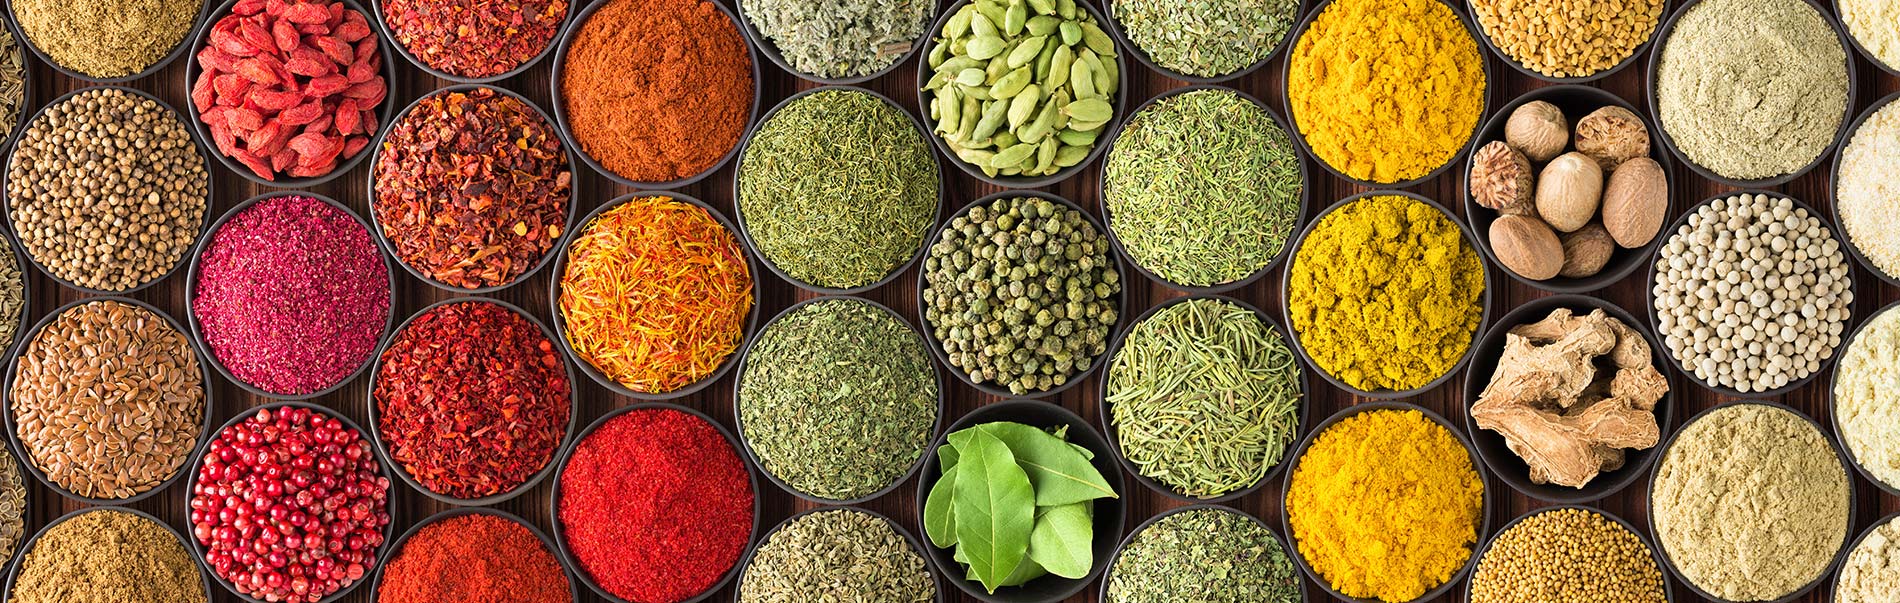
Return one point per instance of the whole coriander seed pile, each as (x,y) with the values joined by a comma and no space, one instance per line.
(1567,555)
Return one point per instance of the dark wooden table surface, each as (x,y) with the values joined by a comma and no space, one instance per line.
(412,294)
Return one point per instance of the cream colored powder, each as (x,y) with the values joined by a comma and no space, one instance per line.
(1868,196)
(1875,24)
(1872,571)
(1867,397)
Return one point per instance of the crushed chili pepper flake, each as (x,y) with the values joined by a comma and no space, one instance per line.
(474,38)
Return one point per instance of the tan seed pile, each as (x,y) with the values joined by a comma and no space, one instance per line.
(106,38)
(1567,555)
(109,400)
(1568,38)
(109,555)
(12,506)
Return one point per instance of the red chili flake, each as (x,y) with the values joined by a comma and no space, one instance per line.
(471,188)
(474,38)
(472,399)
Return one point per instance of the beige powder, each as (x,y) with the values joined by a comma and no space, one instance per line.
(1872,571)
(1867,397)
(1868,196)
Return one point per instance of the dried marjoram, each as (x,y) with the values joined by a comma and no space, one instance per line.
(474,38)
(472,188)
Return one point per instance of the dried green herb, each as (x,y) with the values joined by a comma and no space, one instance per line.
(837,189)
(837,555)
(1204,396)
(1205,38)
(1202,188)
(840,38)
(1219,555)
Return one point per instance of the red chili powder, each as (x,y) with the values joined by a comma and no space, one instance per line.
(474,559)
(471,399)
(656,505)
(292,295)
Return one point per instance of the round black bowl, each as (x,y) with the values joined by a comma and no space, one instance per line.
(1022,182)
(12,426)
(1299,217)
(1127,44)
(1660,41)
(1636,51)
(1655,323)
(745,232)
(1655,536)
(765,46)
(1838,434)
(1834,191)
(1114,434)
(567,454)
(1511,468)
(1484,523)
(19,554)
(197,464)
(184,256)
(1655,553)
(1484,317)
(916,546)
(566,130)
(376,422)
(1840,573)
(1110,513)
(1864,52)
(381,26)
(197,23)
(936,345)
(197,329)
(395,551)
(560,323)
(1109,574)
(389,248)
(1576,102)
(27,89)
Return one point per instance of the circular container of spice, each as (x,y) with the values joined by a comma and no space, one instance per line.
(12,424)
(1862,48)
(916,546)
(395,551)
(1111,514)
(26,299)
(1641,536)
(27,89)
(1125,44)
(375,415)
(380,22)
(1114,437)
(1637,51)
(1839,434)
(197,23)
(1834,188)
(1109,575)
(386,107)
(389,247)
(20,553)
(770,49)
(1491,445)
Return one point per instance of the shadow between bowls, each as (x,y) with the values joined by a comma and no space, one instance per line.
(388,105)
(198,22)
(197,465)
(1864,51)
(1306,443)
(1491,445)
(564,125)
(1108,575)
(936,345)
(1839,433)
(17,563)
(1660,41)
(1299,138)
(382,28)
(745,232)
(567,454)
(395,551)
(375,413)
(1655,535)
(560,323)
(1109,428)
(389,247)
(1111,514)
(916,546)
(1301,201)
(184,255)
(1834,192)
(1484,300)
(738,414)
(766,46)
(12,426)
(197,328)
(924,97)
(1575,101)
(1114,27)
(1655,322)
(1636,51)
(1655,553)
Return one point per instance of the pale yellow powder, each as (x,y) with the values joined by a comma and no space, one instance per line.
(1867,397)
(1872,571)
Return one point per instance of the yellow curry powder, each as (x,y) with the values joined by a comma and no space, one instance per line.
(1386,90)
(1386,505)
(1385,293)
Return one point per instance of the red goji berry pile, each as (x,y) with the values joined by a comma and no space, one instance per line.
(290,87)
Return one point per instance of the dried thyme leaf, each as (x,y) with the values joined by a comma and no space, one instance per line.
(1219,555)
(1206,38)
(841,38)
(837,555)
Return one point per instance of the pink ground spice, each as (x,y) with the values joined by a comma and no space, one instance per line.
(292,295)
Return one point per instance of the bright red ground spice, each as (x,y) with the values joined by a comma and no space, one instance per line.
(474,559)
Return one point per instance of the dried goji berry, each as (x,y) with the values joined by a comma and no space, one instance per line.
(257,164)
(305,12)
(302,114)
(244,120)
(256,34)
(247,8)
(370,92)
(359,73)
(283,159)
(308,67)
(337,50)
(203,97)
(263,136)
(314,29)
(354,146)
(232,45)
(275,7)
(325,86)
(351,31)
(285,35)
(349,119)
(212,59)
(257,71)
(230,88)
(273,99)
(312,171)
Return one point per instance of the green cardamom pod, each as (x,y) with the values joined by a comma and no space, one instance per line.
(1042,25)
(995,12)
(1014,18)
(1043,7)
(1066,9)
(979,25)
(1012,156)
(1025,51)
(1077,137)
(1059,66)
(1086,126)
(1089,110)
(966,123)
(1011,84)
(1003,140)
(978,92)
(1044,124)
(1082,79)
(1023,106)
(1046,155)
(982,48)
(1097,67)
(996,69)
(970,77)
(1110,79)
(1048,53)
(994,112)
(948,109)
(938,79)
(1070,155)
(1071,33)
(1097,40)
(1062,98)
(939,54)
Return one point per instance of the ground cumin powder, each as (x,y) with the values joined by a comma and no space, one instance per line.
(108,555)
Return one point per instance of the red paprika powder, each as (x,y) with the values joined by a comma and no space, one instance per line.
(474,559)
(655,505)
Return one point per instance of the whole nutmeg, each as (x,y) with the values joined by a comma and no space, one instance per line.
(1635,202)
(1526,246)
(1612,135)
(1537,129)
(1586,251)
(1501,179)
(1568,191)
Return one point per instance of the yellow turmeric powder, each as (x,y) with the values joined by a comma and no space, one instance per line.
(1386,90)
(1385,293)
(1386,505)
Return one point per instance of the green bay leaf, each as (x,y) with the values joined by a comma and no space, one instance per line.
(1062,541)
(940,522)
(1060,474)
(995,508)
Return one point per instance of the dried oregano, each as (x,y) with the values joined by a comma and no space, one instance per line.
(1219,555)
(1205,38)
(840,38)
(836,555)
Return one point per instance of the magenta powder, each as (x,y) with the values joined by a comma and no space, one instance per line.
(292,295)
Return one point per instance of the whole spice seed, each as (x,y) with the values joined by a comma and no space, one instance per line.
(1205,39)
(1568,38)
(1219,555)
(474,38)
(1865,409)
(655,294)
(108,555)
(293,296)
(12,296)
(106,190)
(12,82)
(1202,188)
(840,38)
(1869,574)
(12,506)
(1204,397)
(1866,197)
(471,399)
(473,559)
(1567,555)
(838,189)
(655,505)
(472,188)
(1875,24)
(108,400)
(106,39)
(837,398)
(839,553)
